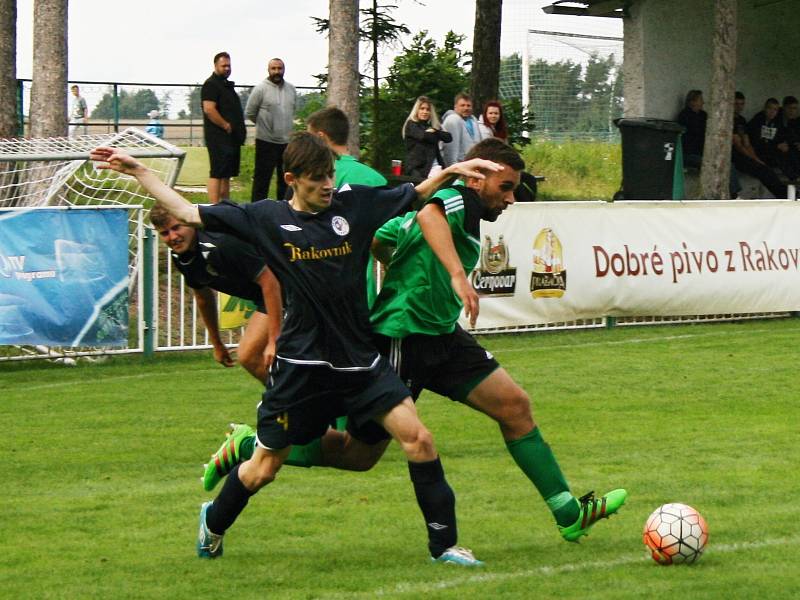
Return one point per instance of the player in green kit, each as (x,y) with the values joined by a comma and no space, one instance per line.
(415,320)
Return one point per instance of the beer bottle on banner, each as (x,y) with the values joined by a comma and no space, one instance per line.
(549,276)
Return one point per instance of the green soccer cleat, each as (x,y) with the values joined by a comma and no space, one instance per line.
(227,457)
(456,555)
(592,510)
(209,544)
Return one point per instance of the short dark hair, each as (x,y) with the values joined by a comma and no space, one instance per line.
(332,122)
(692,95)
(74,87)
(462,96)
(160,216)
(219,55)
(787,100)
(496,150)
(739,96)
(307,154)
(773,101)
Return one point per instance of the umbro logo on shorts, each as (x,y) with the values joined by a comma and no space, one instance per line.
(489,355)
(437,526)
(291,228)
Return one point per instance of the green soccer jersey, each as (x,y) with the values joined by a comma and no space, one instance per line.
(347,169)
(417,296)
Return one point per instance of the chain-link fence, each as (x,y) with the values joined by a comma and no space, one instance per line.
(113,106)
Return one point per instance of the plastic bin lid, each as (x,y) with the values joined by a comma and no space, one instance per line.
(648,123)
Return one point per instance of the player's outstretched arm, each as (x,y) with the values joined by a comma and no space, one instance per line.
(436,230)
(207,304)
(117,160)
(469,168)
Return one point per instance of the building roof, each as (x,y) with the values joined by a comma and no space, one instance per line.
(589,8)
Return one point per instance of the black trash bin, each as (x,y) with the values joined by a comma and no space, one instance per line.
(652,161)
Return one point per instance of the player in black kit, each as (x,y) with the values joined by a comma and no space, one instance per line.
(219,261)
(326,366)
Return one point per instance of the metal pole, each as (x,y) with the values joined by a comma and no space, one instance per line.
(20,111)
(116,108)
(148,288)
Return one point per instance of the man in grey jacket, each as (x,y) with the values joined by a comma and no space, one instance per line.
(271,107)
(463,127)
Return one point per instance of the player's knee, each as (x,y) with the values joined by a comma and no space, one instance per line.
(264,474)
(421,445)
(517,408)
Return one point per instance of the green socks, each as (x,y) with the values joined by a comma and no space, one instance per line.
(533,455)
(309,455)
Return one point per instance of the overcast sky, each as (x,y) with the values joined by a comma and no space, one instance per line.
(172,41)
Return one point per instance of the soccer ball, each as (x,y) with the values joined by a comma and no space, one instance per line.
(675,533)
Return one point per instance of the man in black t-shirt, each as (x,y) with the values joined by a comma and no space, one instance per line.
(223,128)
(326,364)
(222,262)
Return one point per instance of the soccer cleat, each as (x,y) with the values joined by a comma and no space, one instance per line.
(456,555)
(592,510)
(227,457)
(209,545)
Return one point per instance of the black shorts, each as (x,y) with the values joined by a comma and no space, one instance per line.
(450,365)
(302,400)
(224,158)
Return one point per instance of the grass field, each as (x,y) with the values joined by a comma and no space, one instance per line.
(102,464)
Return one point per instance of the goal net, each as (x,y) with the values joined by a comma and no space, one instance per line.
(57,172)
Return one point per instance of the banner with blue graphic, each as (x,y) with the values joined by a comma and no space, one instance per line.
(64,277)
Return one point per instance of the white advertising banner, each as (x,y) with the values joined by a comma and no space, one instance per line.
(553,262)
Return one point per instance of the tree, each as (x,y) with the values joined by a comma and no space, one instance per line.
(716,167)
(486,51)
(131,106)
(422,69)
(49,87)
(343,77)
(8,68)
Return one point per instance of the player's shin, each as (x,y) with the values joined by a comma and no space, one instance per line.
(437,502)
(231,501)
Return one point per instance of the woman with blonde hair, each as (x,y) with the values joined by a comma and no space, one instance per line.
(422,133)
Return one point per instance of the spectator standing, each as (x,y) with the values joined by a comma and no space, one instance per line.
(78,114)
(154,127)
(223,128)
(423,133)
(463,127)
(271,107)
(493,121)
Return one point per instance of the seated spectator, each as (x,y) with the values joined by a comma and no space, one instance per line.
(789,138)
(762,130)
(493,122)
(744,157)
(422,133)
(463,127)
(693,118)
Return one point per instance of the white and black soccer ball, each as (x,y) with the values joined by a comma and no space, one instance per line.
(675,533)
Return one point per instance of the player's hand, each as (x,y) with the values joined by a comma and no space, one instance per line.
(116,160)
(783,147)
(468,296)
(474,168)
(228,127)
(223,357)
(269,354)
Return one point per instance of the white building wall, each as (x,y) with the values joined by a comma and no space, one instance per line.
(674,53)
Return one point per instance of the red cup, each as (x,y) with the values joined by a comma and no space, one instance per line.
(397,167)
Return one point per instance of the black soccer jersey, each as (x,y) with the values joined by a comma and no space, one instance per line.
(320,261)
(225,263)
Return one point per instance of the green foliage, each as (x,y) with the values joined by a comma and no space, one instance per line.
(134,105)
(423,68)
(103,501)
(575,170)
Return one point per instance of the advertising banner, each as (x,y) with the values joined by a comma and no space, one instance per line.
(64,277)
(555,262)
(233,312)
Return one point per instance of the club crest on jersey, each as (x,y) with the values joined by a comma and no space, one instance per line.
(495,276)
(340,225)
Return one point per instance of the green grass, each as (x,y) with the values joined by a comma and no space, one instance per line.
(576,170)
(102,465)
(195,173)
